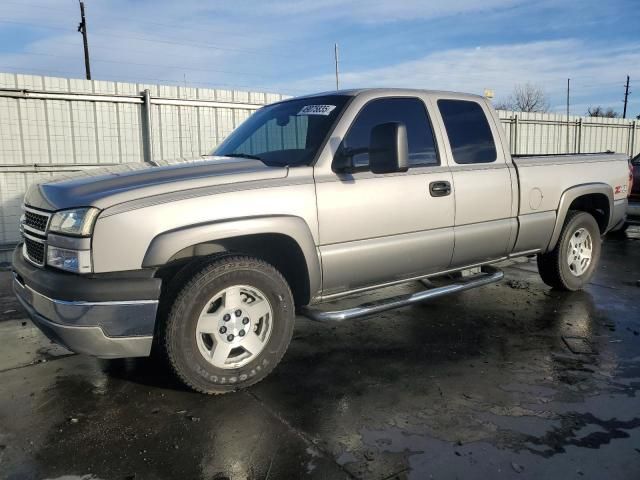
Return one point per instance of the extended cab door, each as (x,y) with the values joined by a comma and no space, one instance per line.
(376,229)
(482,181)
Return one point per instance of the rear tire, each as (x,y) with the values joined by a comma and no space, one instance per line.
(229,325)
(572,263)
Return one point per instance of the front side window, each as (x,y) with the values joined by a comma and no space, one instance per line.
(410,111)
(288,133)
(468,131)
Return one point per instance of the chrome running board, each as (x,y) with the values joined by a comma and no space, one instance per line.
(488,275)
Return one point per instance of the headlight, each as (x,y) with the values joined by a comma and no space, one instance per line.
(78,222)
(78,261)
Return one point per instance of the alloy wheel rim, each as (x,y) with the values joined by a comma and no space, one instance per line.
(234,326)
(579,252)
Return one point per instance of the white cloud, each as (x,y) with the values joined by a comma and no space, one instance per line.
(500,67)
(285,45)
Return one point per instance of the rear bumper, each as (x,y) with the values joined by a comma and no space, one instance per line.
(618,215)
(106,329)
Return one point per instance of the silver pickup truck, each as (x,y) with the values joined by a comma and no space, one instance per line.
(309,200)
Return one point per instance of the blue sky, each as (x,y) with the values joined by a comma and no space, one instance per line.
(286,46)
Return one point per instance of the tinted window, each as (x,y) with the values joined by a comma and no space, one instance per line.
(409,111)
(286,133)
(468,131)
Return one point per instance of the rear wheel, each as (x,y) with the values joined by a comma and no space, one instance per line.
(229,325)
(571,264)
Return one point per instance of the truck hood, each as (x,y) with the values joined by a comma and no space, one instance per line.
(105,187)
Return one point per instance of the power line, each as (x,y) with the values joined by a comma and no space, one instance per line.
(190,27)
(190,69)
(33,5)
(144,52)
(127,36)
(197,45)
(111,50)
(47,27)
(174,67)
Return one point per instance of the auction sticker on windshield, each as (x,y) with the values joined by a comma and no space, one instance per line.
(316,110)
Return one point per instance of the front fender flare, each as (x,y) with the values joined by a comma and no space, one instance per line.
(165,245)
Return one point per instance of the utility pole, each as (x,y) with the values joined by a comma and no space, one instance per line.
(82,28)
(568,90)
(335,54)
(626,96)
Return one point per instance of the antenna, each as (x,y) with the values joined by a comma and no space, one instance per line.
(335,54)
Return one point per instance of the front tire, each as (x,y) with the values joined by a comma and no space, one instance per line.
(229,325)
(573,261)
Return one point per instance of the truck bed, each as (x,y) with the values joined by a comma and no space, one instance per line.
(544,178)
(547,182)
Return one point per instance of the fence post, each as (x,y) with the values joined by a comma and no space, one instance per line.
(515,135)
(511,135)
(633,138)
(578,136)
(147,138)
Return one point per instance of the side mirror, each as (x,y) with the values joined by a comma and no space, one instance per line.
(343,161)
(388,148)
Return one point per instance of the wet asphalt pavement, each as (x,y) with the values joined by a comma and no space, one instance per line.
(512,380)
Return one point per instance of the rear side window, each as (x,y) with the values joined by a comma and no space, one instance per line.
(411,112)
(468,131)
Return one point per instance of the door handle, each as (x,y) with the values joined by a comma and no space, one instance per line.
(439,189)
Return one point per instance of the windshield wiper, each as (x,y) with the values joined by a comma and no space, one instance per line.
(242,155)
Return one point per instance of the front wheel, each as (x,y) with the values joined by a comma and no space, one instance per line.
(229,325)
(572,263)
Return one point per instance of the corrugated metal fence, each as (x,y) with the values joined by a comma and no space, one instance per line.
(50,125)
(538,133)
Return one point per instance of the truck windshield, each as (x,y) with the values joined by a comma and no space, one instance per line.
(288,133)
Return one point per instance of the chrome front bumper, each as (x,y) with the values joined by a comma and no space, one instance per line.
(80,326)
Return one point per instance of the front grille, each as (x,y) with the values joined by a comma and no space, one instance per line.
(36,221)
(34,230)
(34,251)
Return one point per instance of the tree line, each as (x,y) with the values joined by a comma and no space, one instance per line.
(532,98)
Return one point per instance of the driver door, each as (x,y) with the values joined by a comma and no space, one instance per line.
(376,229)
